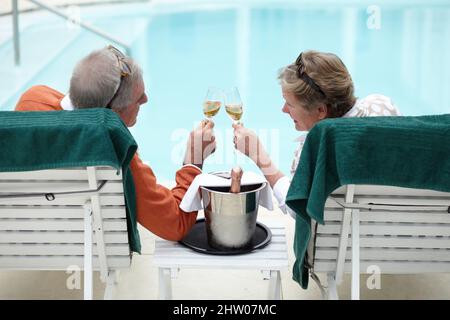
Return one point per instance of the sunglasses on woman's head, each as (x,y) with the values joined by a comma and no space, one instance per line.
(301,73)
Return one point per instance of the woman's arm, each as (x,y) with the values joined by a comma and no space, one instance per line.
(247,142)
(267,167)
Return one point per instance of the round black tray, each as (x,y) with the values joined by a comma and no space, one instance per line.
(196,240)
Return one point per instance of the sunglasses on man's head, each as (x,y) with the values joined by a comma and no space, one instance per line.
(125,70)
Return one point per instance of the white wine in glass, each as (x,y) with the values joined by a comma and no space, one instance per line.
(233,105)
(212,102)
(234,111)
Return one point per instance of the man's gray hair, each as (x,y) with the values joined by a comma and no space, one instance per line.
(96,79)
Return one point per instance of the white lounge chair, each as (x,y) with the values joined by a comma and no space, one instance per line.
(395,230)
(64,218)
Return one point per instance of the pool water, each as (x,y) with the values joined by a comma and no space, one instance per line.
(182,52)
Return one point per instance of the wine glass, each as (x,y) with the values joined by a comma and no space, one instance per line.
(233,105)
(212,102)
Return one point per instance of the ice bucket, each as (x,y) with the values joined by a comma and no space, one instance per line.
(231,217)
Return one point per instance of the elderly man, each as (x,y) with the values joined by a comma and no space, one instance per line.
(107,78)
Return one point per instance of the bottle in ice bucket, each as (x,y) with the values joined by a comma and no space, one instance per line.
(236,176)
(231,213)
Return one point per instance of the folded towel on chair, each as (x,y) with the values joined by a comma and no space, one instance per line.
(411,152)
(57,139)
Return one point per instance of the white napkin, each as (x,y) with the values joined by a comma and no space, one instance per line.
(192,201)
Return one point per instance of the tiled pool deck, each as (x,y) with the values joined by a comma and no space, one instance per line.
(141,281)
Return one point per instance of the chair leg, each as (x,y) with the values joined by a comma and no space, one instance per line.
(342,248)
(355,256)
(111,281)
(88,272)
(275,285)
(332,293)
(165,284)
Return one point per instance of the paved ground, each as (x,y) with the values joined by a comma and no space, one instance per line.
(141,281)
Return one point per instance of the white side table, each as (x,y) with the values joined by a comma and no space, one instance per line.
(170,257)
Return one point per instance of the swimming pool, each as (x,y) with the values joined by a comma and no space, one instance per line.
(184,49)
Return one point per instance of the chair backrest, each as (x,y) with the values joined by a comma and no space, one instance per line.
(42,218)
(402,230)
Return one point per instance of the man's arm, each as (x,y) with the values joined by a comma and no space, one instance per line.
(157,206)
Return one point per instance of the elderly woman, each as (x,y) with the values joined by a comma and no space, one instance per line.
(317,86)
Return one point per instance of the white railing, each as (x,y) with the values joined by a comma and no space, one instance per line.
(40,4)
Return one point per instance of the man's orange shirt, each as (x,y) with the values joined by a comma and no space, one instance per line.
(157,207)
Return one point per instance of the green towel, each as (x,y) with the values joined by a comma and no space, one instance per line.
(409,152)
(57,139)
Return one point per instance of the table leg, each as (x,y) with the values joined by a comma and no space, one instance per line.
(275,285)
(165,284)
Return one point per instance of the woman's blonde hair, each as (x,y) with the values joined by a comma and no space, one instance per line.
(320,78)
